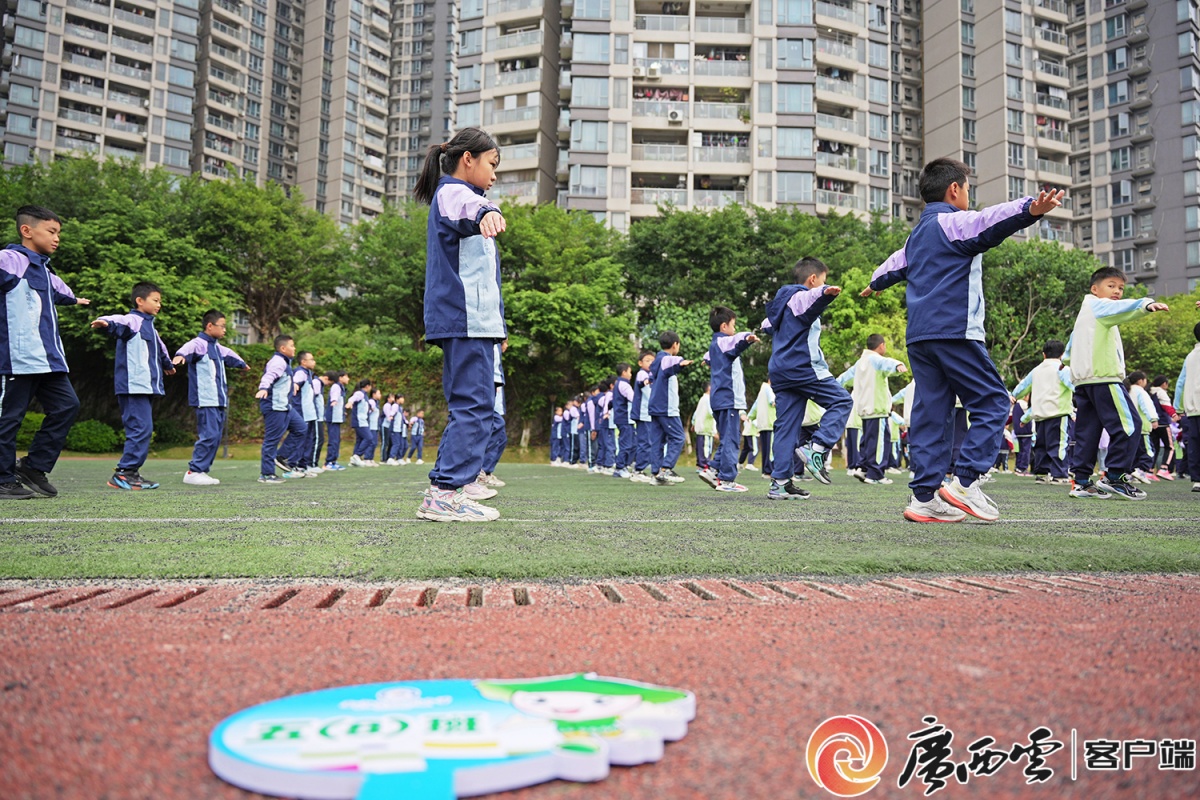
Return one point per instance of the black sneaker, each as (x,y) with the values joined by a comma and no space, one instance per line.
(787,491)
(14,491)
(1121,488)
(661,479)
(35,479)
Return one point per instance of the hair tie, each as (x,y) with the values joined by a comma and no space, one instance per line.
(443,147)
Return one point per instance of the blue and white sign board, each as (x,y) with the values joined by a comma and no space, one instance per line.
(438,740)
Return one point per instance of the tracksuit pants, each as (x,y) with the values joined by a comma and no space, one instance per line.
(467,369)
(1191,425)
(945,368)
(138,420)
(704,454)
(398,445)
(874,447)
(666,442)
(362,442)
(764,447)
(1050,453)
(852,454)
(749,450)
(497,441)
(1145,453)
(57,397)
(729,425)
(626,446)
(1024,453)
(1103,407)
(291,451)
(318,443)
(335,443)
(416,444)
(790,401)
(642,459)
(210,422)
(275,425)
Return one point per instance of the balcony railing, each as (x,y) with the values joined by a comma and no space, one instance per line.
(1050,68)
(660,108)
(516,76)
(1044,165)
(143,20)
(85,61)
(660,22)
(130,72)
(127,127)
(518,189)
(854,14)
(523,114)
(845,124)
(130,44)
(839,199)
(510,40)
(722,110)
(721,155)
(660,152)
(1050,36)
(121,152)
(219,123)
(717,198)
(85,33)
(78,116)
(1051,101)
(519,151)
(723,69)
(841,162)
(653,197)
(722,25)
(72,143)
(506,6)
(1053,134)
(848,88)
(852,52)
(82,88)
(665,66)
(1057,6)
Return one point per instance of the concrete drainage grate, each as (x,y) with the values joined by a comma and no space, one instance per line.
(243,597)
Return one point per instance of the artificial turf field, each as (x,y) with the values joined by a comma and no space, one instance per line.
(565,524)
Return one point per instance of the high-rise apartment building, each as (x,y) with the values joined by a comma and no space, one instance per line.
(618,106)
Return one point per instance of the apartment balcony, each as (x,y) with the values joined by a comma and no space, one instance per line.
(661,22)
(665,109)
(851,88)
(1145,203)
(1140,101)
(531,8)
(90,63)
(568,9)
(220,146)
(1053,171)
(1052,39)
(1138,34)
(132,45)
(218,122)
(723,25)
(562,166)
(834,161)
(730,111)
(79,116)
(83,32)
(502,116)
(1142,134)
(839,200)
(228,31)
(722,69)
(99,9)
(1052,106)
(566,45)
(514,41)
(660,152)
(1054,140)
(1052,232)
(852,15)
(855,53)
(130,72)
(852,125)
(721,155)
(519,152)
(86,89)
(72,143)
(655,197)
(657,67)
(113,150)
(521,191)
(717,198)
(1051,69)
(1143,169)
(1053,10)
(513,78)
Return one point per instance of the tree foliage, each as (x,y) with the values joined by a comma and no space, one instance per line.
(1158,343)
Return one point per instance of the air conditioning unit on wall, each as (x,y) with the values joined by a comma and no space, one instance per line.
(639,72)
(674,115)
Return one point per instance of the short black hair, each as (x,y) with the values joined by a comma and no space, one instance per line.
(211,317)
(1134,377)
(282,339)
(806,267)
(142,290)
(364,383)
(874,340)
(719,316)
(1161,380)
(622,368)
(32,215)
(335,374)
(1104,273)
(1196,333)
(300,356)
(938,175)
(667,339)
(1053,348)
(645,353)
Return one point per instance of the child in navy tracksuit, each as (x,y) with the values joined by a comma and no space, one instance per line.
(464,316)
(374,419)
(798,374)
(641,412)
(336,416)
(666,431)
(296,451)
(208,393)
(399,443)
(319,383)
(728,397)
(556,427)
(942,262)
(275,402)
(499,435)
(416,438)
(142,360)
(33,363)
(622,414)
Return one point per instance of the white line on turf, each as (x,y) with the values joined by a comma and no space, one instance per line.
(589,521)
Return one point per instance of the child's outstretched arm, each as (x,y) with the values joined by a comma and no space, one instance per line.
(889,273)
(115,325)
(973,232)
(469,213)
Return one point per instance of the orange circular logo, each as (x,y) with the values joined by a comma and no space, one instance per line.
(846,755)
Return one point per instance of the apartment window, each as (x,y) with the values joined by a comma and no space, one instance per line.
(879,163)
(968,33)
(794,143)
(795,98)
(794,187)
(593,9)
(765,12)
(795,12)
(1191,181)
(1124,260)
(620,182)
(968,98)
(1120,158)
(968,134)
(1118,59)
(187,25)
(1016,155)
(878,90)
(1122,192)
(22,124)
(968,66)
(765,142)
(590,92)
(1122,227)
(1014,87)
(1187,44)
(1118,92)
(1012,22)
(621,49)
(1115,27)
(877,55)
(1014,54)
(471,9)
(591,48)
(620,137)
(176,157)
(795,53)
(1016,188)
(1101,231)
(468,115)
(1192,218)
(764,98)
(1191,147)
(1016,120)
(877,126)
(1190,112)
(1118,125)
(590,181)
(177,102)
(590,136)
(879,199)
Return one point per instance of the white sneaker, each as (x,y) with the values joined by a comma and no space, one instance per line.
(709,476)
(879,482)
(449,506)
(970,499)
(641,477)
(420,461)
(356,461)
(1196,487)
(750,467)
(391,462)
(313,472)
(936,510)
(856,473)
(371,463)
(477,491)
(199,479)
(490,480)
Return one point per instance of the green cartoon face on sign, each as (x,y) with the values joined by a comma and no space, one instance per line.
(447,739)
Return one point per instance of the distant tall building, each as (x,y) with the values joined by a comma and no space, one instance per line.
(618,106)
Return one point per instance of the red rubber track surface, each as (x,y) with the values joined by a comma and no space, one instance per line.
(110,691)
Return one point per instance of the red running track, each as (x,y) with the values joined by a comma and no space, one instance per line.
(110,691)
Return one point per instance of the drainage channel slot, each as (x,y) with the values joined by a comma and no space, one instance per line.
(428,598)
(1058,585)
(654,592)
(788,593)
(521,597)
(828,590)
(133,598)
(81,598)
(742,590)
(474,597)
(330,599)
(906,590)
(379,598)
(979,585)
(611,594)
(281,598)
(190,594)
(28,598)
(699,591)
(1081,580)
(941,586)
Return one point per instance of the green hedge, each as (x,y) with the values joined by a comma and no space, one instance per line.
(93,436)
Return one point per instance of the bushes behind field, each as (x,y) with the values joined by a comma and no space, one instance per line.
(93,436)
